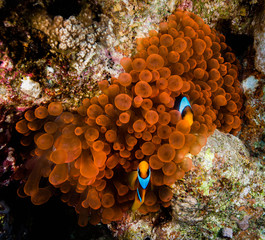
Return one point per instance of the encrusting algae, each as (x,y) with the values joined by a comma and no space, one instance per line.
(89,154)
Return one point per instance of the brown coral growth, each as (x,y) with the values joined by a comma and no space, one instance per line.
(87,155)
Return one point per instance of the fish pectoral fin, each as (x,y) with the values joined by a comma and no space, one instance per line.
(136,205)
(132,179)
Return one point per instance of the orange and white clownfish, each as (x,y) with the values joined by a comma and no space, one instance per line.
(143,175)
(182,104)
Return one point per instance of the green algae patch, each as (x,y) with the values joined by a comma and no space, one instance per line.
(205,186)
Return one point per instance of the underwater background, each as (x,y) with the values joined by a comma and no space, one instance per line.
(210,186)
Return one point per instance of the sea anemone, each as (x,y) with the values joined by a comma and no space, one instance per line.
(88,154)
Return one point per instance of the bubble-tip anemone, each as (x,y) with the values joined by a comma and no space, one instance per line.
(88,154)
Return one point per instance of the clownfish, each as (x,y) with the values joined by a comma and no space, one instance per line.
(182,104)
(143,175)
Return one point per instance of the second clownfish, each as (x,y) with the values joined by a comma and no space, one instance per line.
(182,104)
(142,176)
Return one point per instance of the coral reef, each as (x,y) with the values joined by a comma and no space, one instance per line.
(253,132)
(31,53)
(80,38)
(8,155)
(223,194)
(20,89)
(258,32)
(235,14)
(110,27)
(17,87)
(88,154)
(7,77)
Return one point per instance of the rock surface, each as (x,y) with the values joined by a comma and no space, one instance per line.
(259,40)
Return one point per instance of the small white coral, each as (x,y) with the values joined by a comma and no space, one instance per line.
(30,87)
(250,84)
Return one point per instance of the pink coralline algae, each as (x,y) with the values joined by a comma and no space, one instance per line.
(7,152)
(186,5)
(6,76)
(9,79)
